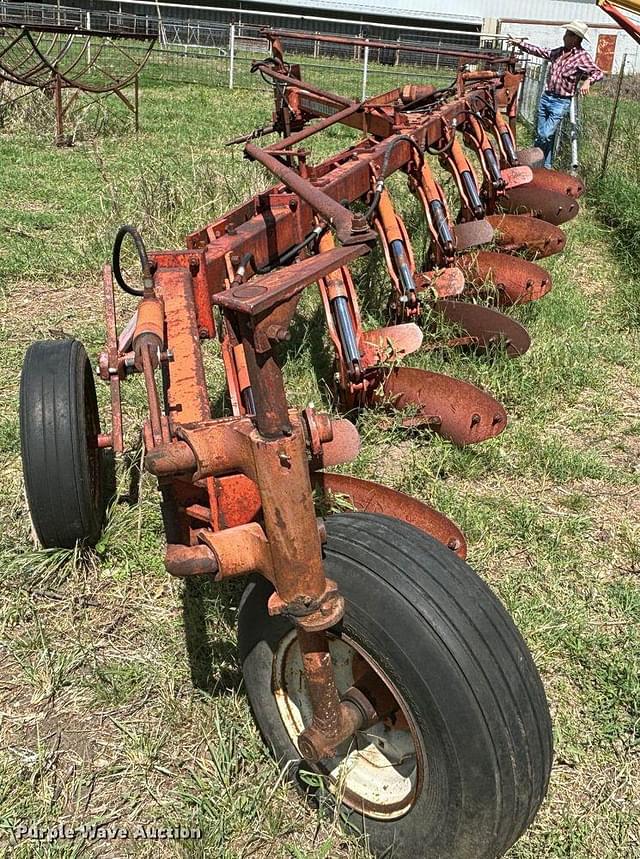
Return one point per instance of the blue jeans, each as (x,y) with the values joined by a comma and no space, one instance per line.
(551,110)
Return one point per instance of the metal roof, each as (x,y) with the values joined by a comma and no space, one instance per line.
(456,11)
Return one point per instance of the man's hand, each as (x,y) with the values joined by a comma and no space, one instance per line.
(584,89)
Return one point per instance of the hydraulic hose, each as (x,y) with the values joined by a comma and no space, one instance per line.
(128,230)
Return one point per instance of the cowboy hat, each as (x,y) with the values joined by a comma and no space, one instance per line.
(578,28)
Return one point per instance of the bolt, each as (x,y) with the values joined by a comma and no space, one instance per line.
(293,205)
(285,459)
(194,265)
(475,420)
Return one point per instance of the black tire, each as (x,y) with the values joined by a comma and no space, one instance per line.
(64,470)
(453,653)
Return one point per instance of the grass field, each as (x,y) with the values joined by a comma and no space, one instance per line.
(120,696)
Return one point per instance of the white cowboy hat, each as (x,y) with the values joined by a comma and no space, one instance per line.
(578,28)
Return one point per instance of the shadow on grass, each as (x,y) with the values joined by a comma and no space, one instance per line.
(208,656)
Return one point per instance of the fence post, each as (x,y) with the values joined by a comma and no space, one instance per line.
(232,51)
(365,70)
(612,121)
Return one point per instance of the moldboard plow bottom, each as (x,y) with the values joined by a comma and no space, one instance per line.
(372,655)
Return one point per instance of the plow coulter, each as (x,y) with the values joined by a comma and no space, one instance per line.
(372,654)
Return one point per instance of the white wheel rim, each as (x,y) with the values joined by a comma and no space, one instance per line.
(378,771)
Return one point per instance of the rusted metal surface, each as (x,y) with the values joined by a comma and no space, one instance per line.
(185,561)
(55,58)
(454,409)
(350,229)
(489,57)
(485,326)
(527,235)
(370,497)
(238,489)
(512,279)
(533,156)
(558,182)
(547,205)
(471,234)
(333,720)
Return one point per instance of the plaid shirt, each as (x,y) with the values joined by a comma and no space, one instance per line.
(567,68)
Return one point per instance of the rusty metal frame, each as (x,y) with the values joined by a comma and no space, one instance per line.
(238,490)
(48,70)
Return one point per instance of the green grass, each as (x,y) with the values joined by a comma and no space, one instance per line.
(120,691)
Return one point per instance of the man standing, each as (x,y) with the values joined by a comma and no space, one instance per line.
(570,65)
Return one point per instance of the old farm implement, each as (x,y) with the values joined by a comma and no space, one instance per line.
(67,61)
(372,655)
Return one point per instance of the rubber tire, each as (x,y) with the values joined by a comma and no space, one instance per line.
(456,657)
(64,479)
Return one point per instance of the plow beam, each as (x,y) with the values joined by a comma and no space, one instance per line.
(370,497)
(456,410)
(485,326)
(528,235)
(516,280)
(548,205)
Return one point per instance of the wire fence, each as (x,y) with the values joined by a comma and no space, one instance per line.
(601,130)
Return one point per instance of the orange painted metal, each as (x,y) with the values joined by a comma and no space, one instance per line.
(238,491)
(187,388)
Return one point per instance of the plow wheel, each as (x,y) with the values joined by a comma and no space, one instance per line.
(458,761)
(64,470)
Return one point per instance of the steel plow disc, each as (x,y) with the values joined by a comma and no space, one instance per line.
(516,280)
(487,327)
(526,234)
(531,157)
(454,409)
(561,183)
(471,234)
(369,497)
(533,200)
(446,282)
(343,447)
(396,341)
(516,176)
